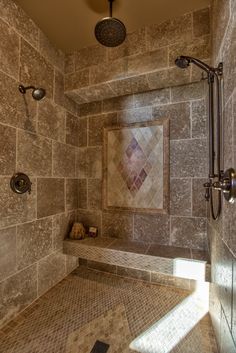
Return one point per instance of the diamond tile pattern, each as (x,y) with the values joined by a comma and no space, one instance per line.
(134,166)
(94,306)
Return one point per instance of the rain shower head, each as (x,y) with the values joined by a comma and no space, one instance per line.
(37,93)
(184,61)
(110,31)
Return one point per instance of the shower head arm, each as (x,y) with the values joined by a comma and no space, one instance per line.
(110,1)
(23,89)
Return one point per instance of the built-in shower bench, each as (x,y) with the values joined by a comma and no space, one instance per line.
(156,263)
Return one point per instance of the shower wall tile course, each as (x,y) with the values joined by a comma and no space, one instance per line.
(227,343)
(16,110)
(94,162)
(81,163)
(107,72)
(50,196)
(152,228)
(39,160)
(71,194)
(17,292)
(33,242)
(94,194)
(7,150)
(168,77)
(179,115)
(34,127)
(90,56)
(133,115)
(151,98)
(51,270)
(199,119)
(77,79)
(187,92)
(35,70)
(63,160)
(9,50)
(92,108)
(69,62)
(51,120)
(188,158)
(199,205)
(117,225)
(15,209)
(180,197)
(82,193)
(182,227)
(95,127)
(134,44)
(72,129)
(82,132)
(7,252)
(169,32)
(20,21)
(117,103)
(61,226)
(129,85)
(55,56)
(201,22)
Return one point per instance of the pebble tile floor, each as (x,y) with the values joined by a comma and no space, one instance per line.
(90,306)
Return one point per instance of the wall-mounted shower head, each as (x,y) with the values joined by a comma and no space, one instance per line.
(184,61)
(110,31)
(37,93)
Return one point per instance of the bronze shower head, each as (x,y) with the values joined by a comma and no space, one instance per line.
(110,31)
(37,93)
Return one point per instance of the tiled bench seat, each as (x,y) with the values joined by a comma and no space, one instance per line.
(150,262)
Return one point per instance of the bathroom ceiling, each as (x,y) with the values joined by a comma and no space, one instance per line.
(69,24)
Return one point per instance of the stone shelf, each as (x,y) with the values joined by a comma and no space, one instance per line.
(152,262)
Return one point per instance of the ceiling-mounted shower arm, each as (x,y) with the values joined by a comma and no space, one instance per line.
(111,1)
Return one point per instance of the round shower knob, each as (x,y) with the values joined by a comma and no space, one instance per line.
(20,183)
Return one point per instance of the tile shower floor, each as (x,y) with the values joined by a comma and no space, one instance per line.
(96,312)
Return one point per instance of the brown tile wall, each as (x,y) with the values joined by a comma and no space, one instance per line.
(185,226)
(222,234)
(40,139)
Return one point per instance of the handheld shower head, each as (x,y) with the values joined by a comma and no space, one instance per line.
(184,61)
(37,93)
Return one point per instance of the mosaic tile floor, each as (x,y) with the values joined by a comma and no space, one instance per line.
(90,309)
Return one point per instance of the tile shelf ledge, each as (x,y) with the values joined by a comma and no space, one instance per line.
(137,260)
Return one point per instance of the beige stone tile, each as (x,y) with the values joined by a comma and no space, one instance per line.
(34,154)
(63,160)
(77,79)
(199,204)
(149,61)
(89,56)
(55,56)
(171,252)
(129,85)
(71,194)
(108,72)
(17,292)
(183,227)
(117,225)
(72,129)
(92,108)
(129,246)
(168,78)
(179,115)
(188,158)
(71,263)
(81,163)
(7,150)
(69,62)
(7,252)
(94,194)
(92,93)
(227,343)
(133,273)
(18,19)
(199,119)
(35,70)
(188,92)
(16,109)
(51,120)
(151,228)
(95,127)
(82,193)
(134,115)
(50,271)
(170,31)
(117,103)
(61,226)
(94,162)
(16,208)
(33,242)
(9,50)
(201,22)
(180,197)
(50,196)
(158,97)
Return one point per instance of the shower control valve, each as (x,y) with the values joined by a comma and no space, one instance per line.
(207,188)
(227,184)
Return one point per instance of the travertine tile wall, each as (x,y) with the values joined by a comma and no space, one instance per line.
(185,225)
(222,234)
(40,139)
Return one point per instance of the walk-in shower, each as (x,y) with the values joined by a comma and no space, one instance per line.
(219,180)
